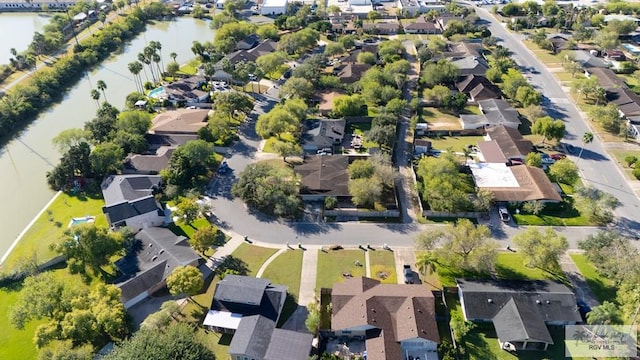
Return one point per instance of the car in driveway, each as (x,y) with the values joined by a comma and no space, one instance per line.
(408,274)
(558,156)
(504,214)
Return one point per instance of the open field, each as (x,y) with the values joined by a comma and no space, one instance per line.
(439,120)
(383,263)
(332,264)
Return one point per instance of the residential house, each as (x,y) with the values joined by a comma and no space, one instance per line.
(414,7)
(495,112)
(394,321)
(559,43)
(186,91)
(470,65)
(351,73)
(421,147)
(265,47)
(620,17)
(607,79)
(510,141)
(478,88)
(249,308)
(616,55)
(422,26)
(180,121)
(628,102)
(274,7)
(386,27)
(324,176)
(155,253)
(322,133)
(490,152)
(518,183)
(465,49)
(325,99)
(248,43)
(588,60)
(520,310)
(149,164)
(421,128)
(129,201)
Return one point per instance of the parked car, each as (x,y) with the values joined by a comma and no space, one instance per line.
(223,168)
(408,274)
(325,151)
(558,156)
(504,214)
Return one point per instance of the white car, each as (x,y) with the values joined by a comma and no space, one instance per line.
(504,214)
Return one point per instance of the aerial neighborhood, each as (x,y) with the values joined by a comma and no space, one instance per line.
(336,179)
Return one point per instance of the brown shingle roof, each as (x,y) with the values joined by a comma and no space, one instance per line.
(607,78)
(534,185)
(401,312)
(325,175)
(510,141)
(353,72)
(183,121)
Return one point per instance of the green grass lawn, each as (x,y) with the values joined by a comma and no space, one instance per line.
(456,143)
(439,120)
(269,144)
(563,214)
(603,288)
(332,264)
(360,129)
(286,270)
(253,256)
(188,231)
(52,224)
(383,263)
(550,59)
(191,67)
(619,156)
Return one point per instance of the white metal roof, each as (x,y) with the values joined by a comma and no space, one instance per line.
(223,319)
(493,175)
(274,3)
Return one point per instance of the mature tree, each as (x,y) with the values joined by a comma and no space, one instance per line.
(383,135)
(533,159)
(437,94)
(483,200)
(173,68)
(269,187)
(564,171)
(68,138)
(444,187)
(585,86)
(608,117)
(232,103)
(286,149)
(102,86)
(268,31)
(621,27)
(527,95)
(187,211)
(595,204)
(587,138)
(512,81)
(541,249)
(365,192)
(395,107)
(106,158)
(614,255)
(426,263)
(296,87)
(333,49)
(185,280)
(460,326)
(349,105)
(605,314)
(464,245)
(178,341)
(88,245)
(299,42)
(190,163)
(607,40)
(311,68)
(361,169)
(64,350)
(455,102)
(228,35)
(276,122)
(366,57)
(550,129)
(272,61)
(134,122)
(441,72)
(572,67)
(204,238)
(95,95)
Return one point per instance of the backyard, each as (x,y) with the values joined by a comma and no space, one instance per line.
(333,264)
(456,143)
(603,288)
(383,266)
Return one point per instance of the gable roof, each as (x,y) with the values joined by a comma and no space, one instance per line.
(401,312)
(290,345)
(326,98)
(470,65)
(608,79)
(588,60)
(186,89)
(265,47)
(495,112)
(628,102)
(119,188)
(510,141)
(248,43)
(518,321)
(252,336)
(515,183)
(351,73)
(180,121)
(552,301)
(241,289)
(490,152)
(478,88)
(128,209)
(322,132)
(145,163)
(325,175)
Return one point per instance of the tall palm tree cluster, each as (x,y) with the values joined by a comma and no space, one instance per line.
(152,57)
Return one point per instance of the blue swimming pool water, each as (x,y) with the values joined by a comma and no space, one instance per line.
(82,220)
(155,93)
(632,48)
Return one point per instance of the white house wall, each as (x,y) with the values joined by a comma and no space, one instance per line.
(144,221)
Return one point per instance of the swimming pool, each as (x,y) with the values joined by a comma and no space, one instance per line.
(634,50)
(157,92)
(82,220)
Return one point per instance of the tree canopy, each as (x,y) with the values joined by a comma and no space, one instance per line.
(190,163)
(185,280)
(442,72)
(549,128)
(442,184)
(541,249)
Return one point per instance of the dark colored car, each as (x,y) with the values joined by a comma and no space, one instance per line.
(223,168)
(408,274)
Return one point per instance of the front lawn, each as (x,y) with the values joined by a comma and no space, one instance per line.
(619,156)
(270,142)
(563,214)
(286,270)
(456,143)
(253,256)
(333,263)
(182,229)
(52,224)
(604,289)
(383,266)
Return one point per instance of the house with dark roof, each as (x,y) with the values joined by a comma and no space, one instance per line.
(149,164)
(394,321)
(155,253)
(495,112)
(628,102)
(558,43)
(250,55)
(180,121)
(129,201)
(470,65)
(478,88)
(390,27)
(607,79)
(186,91)
(465,49)
(322,133)
(520,310)
(248,43)
(422,26)
(324,176)
(588,60)
(249,308)
(510,142)
(351,73)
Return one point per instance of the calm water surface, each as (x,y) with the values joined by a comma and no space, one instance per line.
(16,31)
(25,161)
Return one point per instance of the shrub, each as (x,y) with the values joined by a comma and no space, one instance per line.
(330,202)
(636,173)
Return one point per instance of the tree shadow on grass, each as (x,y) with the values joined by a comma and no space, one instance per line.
(233,264)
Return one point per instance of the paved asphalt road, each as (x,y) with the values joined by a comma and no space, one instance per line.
(596,167)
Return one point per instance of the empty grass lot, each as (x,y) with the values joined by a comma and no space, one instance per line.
(456,143)
(619,155)
(439,120)
(383,262)
(603,288)
(52,224)
(253,256)
(332,264)
(286,270)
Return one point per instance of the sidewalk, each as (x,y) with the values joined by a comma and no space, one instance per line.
(582,290)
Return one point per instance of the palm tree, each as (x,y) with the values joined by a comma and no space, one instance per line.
(587,138)
(135,68)
(156,59)
(173,56)
(145,60)
(426,263)
(102,86)
(158,46)
(148,53)
(605,314)
(95,95)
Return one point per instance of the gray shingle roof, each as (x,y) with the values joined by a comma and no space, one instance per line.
(128,209)
(241,289)
(520,322)
(252,336)
(119,188)
(290,345)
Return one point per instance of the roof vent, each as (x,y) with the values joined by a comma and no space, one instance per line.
(538,302)
(372,309)
(161,252)
(154,258)
(548,302)
(150,245)
(490,301)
